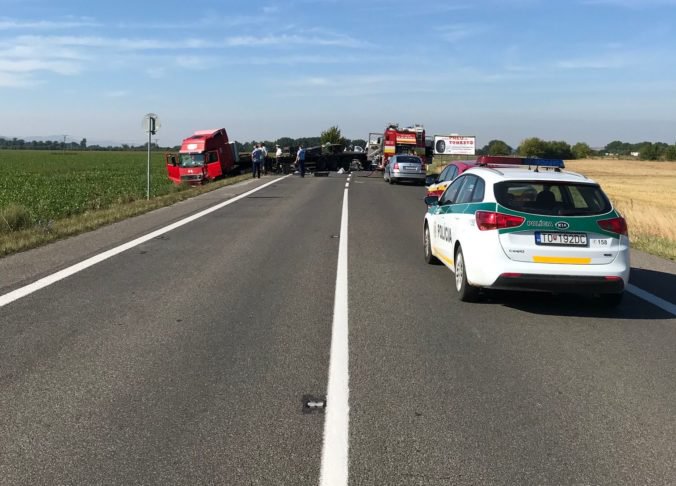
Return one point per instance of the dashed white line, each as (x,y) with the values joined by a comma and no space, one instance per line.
(334,466)
(78,267)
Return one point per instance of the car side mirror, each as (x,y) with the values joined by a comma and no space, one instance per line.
(432,200)
(431,179)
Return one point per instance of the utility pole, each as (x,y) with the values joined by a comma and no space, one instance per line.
(151,123)
(63,147)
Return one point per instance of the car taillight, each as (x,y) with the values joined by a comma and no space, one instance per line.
(614,225)
(396,166)
(489,220)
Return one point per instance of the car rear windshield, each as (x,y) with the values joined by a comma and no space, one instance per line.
(410,159)
(555,198)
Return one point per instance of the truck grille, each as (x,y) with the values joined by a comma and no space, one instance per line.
(189,178)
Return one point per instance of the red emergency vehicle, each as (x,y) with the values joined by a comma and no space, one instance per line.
(397,140)
(206,155)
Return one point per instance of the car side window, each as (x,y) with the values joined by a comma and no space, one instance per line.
(450,175)
(449,196)
(478,194)
(453,173)
(442,176)
(465,194)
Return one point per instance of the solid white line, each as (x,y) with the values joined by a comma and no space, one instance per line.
(334,468)
(67,272)
(653,299)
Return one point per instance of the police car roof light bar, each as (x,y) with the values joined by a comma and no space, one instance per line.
(557,163)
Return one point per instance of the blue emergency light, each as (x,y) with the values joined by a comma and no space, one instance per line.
(558,163)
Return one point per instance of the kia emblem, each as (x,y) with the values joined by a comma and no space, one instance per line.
(562,225)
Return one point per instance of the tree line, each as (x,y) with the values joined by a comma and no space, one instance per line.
(331,135)
(530,147)
(556,149)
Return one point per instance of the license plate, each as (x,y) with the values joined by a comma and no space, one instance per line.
(411,168)
(561,239)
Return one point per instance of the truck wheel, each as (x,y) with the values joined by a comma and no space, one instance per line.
(429,258)
(466,292)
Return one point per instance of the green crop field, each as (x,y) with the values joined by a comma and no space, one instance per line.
(46,196)
(54,185)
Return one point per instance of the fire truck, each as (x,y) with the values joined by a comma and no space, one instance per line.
(395,140)
(205,155)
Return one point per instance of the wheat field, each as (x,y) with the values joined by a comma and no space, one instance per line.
(645,193)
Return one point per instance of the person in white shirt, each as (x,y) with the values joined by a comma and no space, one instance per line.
(278,156)
(266,162)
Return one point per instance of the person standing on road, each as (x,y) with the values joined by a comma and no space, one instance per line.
(256,156)
(265,163)
(278,158)
(300,160)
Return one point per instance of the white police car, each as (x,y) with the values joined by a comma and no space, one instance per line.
(530,227)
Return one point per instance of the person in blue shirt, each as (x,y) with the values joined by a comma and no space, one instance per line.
(256,160)
(300,160)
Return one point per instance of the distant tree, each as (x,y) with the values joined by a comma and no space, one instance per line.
(557,150)
(332,135)
(532,147)
(285,142)
(358,141)
(670,152)
(649,151)
(619,148)
(83,144)
(581,150)
(496,147)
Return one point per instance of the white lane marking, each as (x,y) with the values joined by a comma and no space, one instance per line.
(347,185)
(334,468)
(73,269)
(653,299)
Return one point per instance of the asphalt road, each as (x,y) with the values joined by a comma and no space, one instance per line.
(187,359)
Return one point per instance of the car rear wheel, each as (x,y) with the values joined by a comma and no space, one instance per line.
(466,292)
(429,258)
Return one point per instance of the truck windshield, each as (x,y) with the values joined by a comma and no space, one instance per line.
(191,160)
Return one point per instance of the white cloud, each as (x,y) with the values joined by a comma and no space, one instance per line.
(47,42)
(294,39)
(633,4)
(16,80)
(31,65)
(194,62)
(156,72)
(591,63)
(9,24)
(454,33)
(116,94)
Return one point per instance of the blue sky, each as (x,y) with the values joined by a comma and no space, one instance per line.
(576,70)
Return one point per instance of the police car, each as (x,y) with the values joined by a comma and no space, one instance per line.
(530,227)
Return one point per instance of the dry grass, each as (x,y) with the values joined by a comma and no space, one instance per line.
(645,193)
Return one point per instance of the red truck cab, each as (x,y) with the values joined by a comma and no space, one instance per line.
(206,155)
